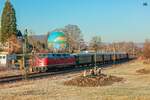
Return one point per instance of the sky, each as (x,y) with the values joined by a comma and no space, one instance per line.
(113,20)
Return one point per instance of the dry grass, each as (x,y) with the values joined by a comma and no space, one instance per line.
(9,72)
(135,87)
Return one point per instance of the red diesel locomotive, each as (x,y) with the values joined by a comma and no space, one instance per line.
(43,62)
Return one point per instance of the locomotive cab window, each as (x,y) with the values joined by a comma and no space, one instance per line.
(43,55)
(3,57)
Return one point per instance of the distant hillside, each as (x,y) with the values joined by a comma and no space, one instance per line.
(41,38)
(140,45)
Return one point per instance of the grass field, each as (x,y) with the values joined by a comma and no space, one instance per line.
(9,72)
(135,86)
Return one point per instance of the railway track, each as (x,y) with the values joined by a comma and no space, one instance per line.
(15,78)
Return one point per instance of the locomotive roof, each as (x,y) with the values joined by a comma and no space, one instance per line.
(100,53)
(83,53)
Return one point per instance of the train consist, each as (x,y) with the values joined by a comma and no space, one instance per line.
(45,61)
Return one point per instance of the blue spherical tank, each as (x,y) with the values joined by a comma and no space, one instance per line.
(57,40)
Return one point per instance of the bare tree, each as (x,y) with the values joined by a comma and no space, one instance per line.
(37,43)
(32,40)
(96,43)
(74,37)
(14,44)
(147,49)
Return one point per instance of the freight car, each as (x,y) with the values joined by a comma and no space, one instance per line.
(43,62)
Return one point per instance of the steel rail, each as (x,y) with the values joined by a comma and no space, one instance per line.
(15,78)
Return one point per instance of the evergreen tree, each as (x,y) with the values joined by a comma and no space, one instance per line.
(8,22)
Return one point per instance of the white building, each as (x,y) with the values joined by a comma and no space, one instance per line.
(3,58)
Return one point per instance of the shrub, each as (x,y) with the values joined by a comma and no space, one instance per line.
(146,50)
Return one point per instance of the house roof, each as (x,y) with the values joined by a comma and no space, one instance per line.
(19,34)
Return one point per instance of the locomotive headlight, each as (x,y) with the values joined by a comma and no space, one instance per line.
(42,63)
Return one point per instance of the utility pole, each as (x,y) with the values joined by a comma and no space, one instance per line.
(79,46)
(133,50)
(114,52)
(24,55)
(95,59)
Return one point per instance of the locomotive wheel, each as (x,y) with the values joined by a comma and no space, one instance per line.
(44,69)
(33,69)
(37,69)
(76,66)
(40,69)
